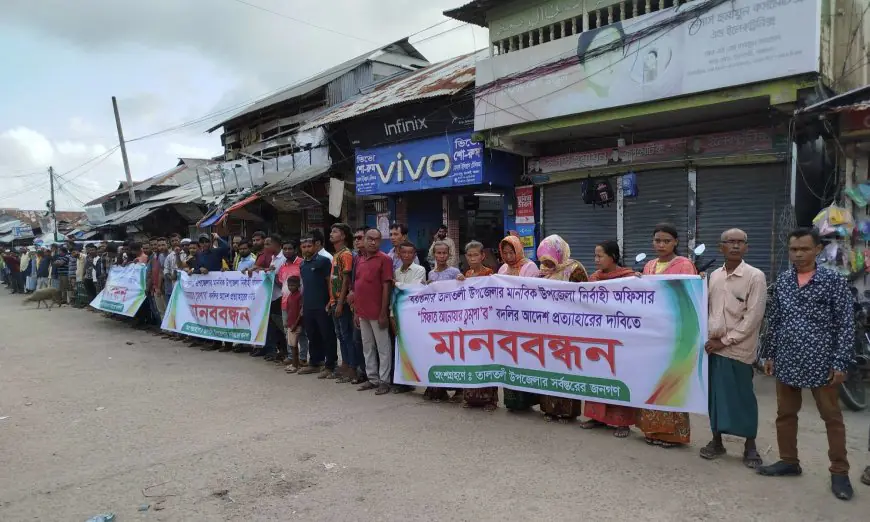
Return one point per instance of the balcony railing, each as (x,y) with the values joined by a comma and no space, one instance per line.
(592,19)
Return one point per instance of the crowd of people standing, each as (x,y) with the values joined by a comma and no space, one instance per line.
(325,304)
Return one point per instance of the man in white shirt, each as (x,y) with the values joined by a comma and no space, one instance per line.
(409,273)
(274,333)
(318,244)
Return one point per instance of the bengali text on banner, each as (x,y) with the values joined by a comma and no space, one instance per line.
(634,341)
(124,292)
(222,306)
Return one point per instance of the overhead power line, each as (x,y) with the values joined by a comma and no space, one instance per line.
(100,158)
(304,22)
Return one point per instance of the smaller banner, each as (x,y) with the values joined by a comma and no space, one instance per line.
(124,292)
(222,306)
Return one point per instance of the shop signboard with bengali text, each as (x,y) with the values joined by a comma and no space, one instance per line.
(525,210)
(708,145)
(221,306)
(124,291)
(714,45)
(635,341)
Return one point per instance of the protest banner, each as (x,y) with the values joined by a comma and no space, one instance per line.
(124,292)
(633,342)
(222,306)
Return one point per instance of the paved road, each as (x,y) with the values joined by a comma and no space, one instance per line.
(92,421)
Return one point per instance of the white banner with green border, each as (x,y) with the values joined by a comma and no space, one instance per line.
(124,292)
(221,306)
(637,341)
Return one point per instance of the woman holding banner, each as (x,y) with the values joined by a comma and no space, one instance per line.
(442,272)
(486,398)
(608,261)
(662,428)
(516,264)
(554,254)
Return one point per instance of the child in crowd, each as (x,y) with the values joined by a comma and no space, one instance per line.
(442,272)
(293,322)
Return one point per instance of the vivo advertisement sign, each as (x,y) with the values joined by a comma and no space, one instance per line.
(451,160)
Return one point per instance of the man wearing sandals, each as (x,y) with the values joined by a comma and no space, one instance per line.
(373,288)
(738,293)
(810,343)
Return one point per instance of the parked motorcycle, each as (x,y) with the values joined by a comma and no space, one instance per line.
(853,392)
(698,251)
(699,254)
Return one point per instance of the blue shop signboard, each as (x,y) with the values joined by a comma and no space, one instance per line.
(451,160)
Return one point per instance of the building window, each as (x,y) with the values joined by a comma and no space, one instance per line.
(595,19)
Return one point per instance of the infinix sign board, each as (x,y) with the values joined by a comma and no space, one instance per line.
(411,122)
(450,160)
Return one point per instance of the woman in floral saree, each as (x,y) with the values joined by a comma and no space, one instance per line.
(608,261)
(554,254)
(662,428)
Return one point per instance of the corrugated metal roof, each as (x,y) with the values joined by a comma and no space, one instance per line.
(282,181)
(33,217)
(854,107)
(182,173)
(132,215)
(410,57)
(860,94)
(475,12)
(442,79)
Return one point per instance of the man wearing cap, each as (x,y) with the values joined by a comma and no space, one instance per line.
(210,259)
(184,255)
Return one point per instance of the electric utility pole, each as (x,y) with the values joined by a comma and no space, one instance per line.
(123,151)
(52,203)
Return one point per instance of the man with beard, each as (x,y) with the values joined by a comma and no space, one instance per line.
(441,235)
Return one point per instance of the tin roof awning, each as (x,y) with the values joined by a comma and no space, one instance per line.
(210,220)
(285,181)
(239,209)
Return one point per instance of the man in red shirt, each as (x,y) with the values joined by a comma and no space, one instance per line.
(266,254)
(14,265)
(289,270)
(372,289)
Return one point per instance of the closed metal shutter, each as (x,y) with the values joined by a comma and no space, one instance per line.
(753,198)
(663,197)
(581,225)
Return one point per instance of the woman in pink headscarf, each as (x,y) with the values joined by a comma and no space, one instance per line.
(554,255)
(515,261)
